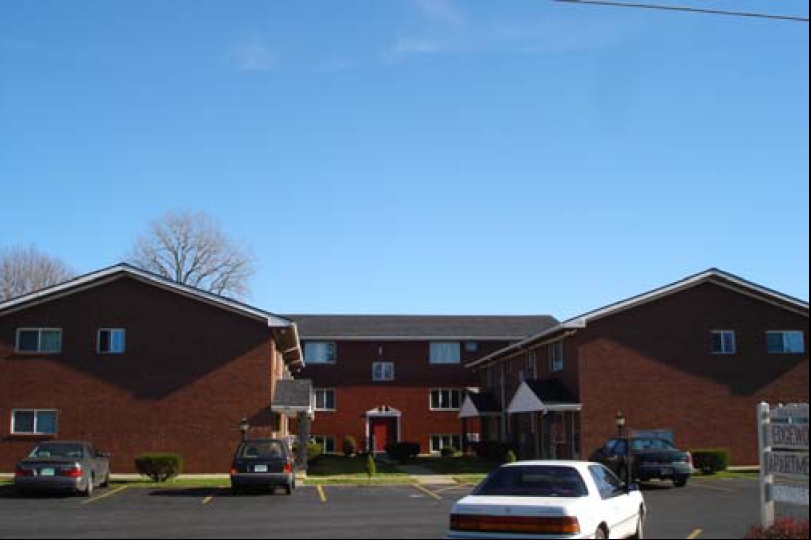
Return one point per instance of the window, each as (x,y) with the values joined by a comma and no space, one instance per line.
(39,340)
(438,442)
(111,341)
(472,346)
(319,352)
(33,422)
(446,399)
(533,481)
(786,342)
(324,399)
(383,371)
(556,357)
(607,482)
(326,442)
(724,342)
(446,353)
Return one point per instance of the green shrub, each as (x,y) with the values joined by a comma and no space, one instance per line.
(350,446)
(492,451)
(449,451)
(314,451)
(510,457)
(403,451)
(159,467)
(371,466)
(711,461)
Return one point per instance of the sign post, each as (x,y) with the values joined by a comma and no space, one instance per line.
(783,443)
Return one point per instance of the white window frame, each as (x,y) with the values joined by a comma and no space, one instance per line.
(437,362)
(332,362)
(441,408)
(556,365)
(36,432)
(39,340)
(382,366)
(334,399)
(322,440)
(111,330)
(723,333)
(784,333)
(453,438)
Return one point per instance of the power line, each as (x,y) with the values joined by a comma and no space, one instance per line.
(688,9)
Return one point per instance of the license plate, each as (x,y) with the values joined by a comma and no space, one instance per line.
(47,472)
(260,468)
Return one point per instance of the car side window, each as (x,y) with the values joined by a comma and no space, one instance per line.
(621,448)
(608,485)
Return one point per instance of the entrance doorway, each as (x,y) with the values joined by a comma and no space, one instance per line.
(382,428)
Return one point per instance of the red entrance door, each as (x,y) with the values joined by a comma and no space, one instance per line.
(384,432)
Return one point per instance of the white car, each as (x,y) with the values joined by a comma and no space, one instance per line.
(550,499)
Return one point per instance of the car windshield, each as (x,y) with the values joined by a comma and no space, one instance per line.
(643,445)
(534,481)
(263,450)
(71,451)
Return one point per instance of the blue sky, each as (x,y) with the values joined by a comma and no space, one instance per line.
(415,156)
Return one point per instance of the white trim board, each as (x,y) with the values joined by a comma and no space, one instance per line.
(527,401)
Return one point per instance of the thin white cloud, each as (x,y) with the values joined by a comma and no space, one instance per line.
(256,55)
(441,11)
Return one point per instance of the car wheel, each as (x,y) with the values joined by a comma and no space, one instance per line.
(106,482)
(681,482)
(640,527)
(88,492)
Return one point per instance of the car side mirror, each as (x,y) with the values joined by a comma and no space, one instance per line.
(632,488)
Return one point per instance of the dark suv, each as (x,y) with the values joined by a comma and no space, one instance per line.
(266,463)
(650,458)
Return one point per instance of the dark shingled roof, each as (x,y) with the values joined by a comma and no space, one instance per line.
(485,403)
(551,392)
(293,393)
(420,326)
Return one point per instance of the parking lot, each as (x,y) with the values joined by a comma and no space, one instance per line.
(705,509)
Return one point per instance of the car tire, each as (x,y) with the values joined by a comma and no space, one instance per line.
(88,492)
(681,481)
(289,489)
(640,527)
(106,483)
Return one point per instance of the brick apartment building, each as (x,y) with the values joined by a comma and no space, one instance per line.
(135,363)
(692,358)
(399,378)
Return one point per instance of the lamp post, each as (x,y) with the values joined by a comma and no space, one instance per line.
(620,420)
(244,426)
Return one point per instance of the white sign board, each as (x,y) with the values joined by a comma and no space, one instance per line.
(783,441)
(797,495)
(788,436)
(791,464)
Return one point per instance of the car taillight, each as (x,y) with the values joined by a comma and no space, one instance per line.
(234,471)
(73,472)
(20,471)
(288,468)
(515,525)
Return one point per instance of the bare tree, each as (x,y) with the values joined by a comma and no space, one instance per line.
(191,248)
(25,270)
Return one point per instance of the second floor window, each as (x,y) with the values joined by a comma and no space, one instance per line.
(724,342)
(446,353)
(383,371)
(556,357)
(319,352)
(324,399)
(446,399)
(39,340)
(112,341)
(786,342)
